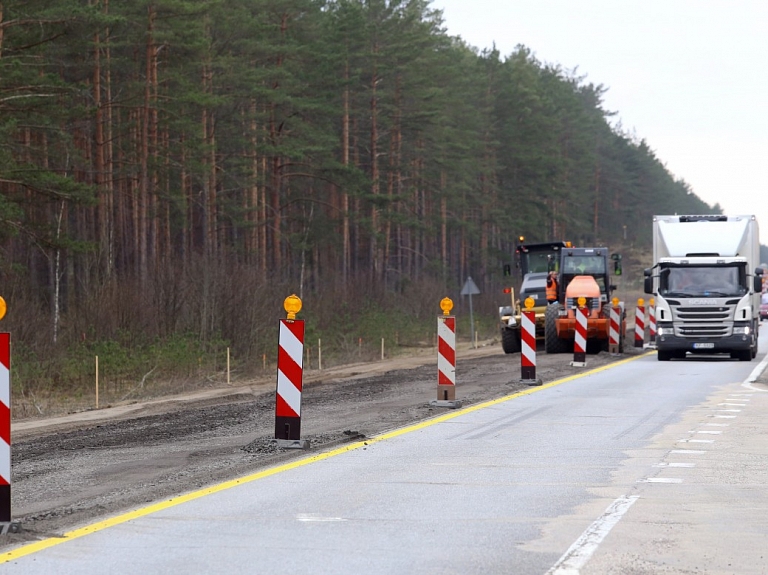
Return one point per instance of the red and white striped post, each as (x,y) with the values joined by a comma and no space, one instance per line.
(5,427)
(580,339)
(614,333)
(6,524)
(652,323)
(528,345)
(290,353)
(640,323)
(446,357)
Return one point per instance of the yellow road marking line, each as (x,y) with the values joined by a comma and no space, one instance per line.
(174,501)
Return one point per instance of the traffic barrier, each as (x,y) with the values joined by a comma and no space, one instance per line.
(652,323)
(528,345)
(640,323)
(614,334)
(289,378)
(446,358)
(580,340)
(6,525)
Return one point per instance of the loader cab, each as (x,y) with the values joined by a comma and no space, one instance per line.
(586,262)
(538,258)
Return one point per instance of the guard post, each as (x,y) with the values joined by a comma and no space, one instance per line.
(640,323)
(528,345)
(446,358)
(6,523)
(580,338)
(652,323)
(290,354)
(614,333)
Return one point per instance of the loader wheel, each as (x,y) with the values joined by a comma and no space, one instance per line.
(510,340)
(552,343)
(595,346)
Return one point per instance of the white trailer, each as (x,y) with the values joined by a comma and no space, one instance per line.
(707,283)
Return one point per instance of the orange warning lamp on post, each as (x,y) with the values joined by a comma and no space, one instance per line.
(292,305)
(446,304)
(3,308)
(529,303)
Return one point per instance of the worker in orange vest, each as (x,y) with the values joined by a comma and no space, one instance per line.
(552,287)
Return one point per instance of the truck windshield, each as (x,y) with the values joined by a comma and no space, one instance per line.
(703,281)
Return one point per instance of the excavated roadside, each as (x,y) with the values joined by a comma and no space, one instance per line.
(74,470)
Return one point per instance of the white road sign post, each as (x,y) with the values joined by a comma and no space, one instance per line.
(470,289)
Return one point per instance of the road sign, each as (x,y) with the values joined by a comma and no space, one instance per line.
(469,288)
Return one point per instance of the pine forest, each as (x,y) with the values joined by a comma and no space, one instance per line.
(171,170)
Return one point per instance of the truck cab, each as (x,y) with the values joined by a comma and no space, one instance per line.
(706,285)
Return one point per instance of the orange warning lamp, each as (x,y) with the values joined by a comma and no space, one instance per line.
(641,302)
(615,302)
(446,304)
(582,301)
(3,308)
(528,303)
(652,302)
(292,305)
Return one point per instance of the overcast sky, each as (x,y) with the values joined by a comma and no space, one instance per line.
(688,76)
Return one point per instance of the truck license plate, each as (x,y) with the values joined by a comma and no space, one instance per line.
(703,346)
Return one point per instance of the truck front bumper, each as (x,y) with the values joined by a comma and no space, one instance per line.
(704,345)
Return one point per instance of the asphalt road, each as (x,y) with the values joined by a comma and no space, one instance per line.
(637,467)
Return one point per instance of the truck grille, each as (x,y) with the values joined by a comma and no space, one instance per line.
(705,313)
(703,321)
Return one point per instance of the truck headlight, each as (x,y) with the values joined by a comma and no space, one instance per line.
(742,330)
(664,331)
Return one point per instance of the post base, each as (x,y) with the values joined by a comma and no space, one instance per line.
(536,381)
(292,443)
(10,527)
(450,403)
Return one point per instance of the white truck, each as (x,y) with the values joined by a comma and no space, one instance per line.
(707,283)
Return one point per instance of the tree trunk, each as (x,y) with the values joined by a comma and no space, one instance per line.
(374,249)
(346,256)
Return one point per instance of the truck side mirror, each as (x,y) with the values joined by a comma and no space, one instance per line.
(757,286)
(648,280)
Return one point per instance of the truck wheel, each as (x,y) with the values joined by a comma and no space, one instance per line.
(664,355)
(744,355)
(510,340)
(552,343)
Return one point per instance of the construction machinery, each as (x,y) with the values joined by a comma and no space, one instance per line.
(584,277)
(534,262)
